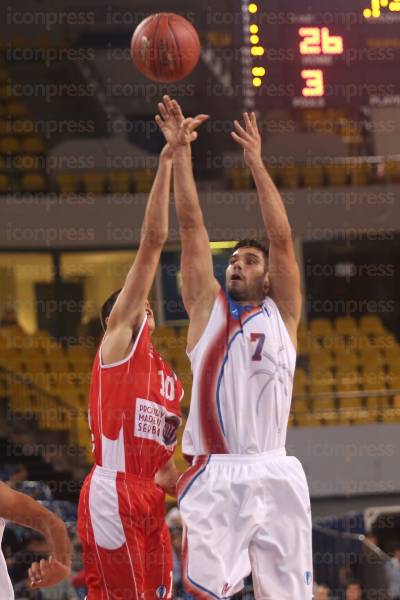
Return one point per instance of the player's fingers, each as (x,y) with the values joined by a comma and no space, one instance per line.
(240,130)
(239,140)
(254,121)
(249,124)
(163,110)
(168,103)
(159,121)
(193,136)
(196,123)
(44,567)
(186,124)
(35,574)
(176,107)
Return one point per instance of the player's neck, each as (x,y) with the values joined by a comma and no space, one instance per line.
(250,302)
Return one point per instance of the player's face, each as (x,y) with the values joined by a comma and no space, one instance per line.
(150,317)
(246,278)
(353,592)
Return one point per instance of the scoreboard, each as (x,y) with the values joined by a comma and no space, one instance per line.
(321,53)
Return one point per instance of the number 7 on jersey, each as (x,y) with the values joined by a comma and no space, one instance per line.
(260,339)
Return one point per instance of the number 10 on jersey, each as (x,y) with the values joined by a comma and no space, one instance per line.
(167,386)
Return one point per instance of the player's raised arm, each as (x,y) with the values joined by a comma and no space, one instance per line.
(199,286)
(283,269)
(23,510)
(129,308)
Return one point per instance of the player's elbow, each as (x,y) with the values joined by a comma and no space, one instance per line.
(155,238)
(281,237)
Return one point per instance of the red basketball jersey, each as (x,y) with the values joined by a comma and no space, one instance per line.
(134,409)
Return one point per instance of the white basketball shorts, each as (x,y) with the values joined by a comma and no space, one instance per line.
(246,513)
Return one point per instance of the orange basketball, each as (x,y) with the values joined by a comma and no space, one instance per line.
(165,47)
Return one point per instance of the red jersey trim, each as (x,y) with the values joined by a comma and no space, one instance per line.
(131,353)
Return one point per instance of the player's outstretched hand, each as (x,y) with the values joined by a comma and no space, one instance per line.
(47,573)
(177,130)
(250,139)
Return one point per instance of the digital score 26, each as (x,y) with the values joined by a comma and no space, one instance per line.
(316,45)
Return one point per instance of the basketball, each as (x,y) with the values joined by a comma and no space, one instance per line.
(165,47)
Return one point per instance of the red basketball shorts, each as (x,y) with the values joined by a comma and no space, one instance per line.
(126,543)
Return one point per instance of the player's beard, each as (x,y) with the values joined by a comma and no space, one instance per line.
(246,294)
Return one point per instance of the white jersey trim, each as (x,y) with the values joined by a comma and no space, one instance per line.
(268,300)
(214,308)
(131,353)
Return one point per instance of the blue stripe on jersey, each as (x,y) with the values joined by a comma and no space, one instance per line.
(189,485)
(223,366)
(200,586)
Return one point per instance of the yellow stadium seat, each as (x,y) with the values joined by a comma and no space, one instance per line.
(346,326)
(239,178)
(392,358)
(321,360)
(373,379)
(22,127)
(307,420)
(4,74)
(347,382)
(313,175)
(302,330)
(321,381)
(371,324)
(16,109)
(349,408)
(27,162)
(376,406)
(5,128)
(143,180)
(337,174)
(93,183)
(273,172)
(33,182)
(68,183)
(392,414)
(364,416)
(300,381)
(393,378)
(309,345)
(360,173)
(120,182)
(392,170)
(6,91)
(299,405)
(336,343)
(290,175)
(33,145)
(5,183)
(322,403)
(371,358)
(346,359)
(9,145)
(321,327)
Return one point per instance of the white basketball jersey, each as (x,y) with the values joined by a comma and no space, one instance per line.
(6,588)
(243,367)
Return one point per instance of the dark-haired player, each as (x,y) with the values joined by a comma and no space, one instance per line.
(134,412)
(244,503)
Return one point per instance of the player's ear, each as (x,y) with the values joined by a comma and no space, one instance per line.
(266,284)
